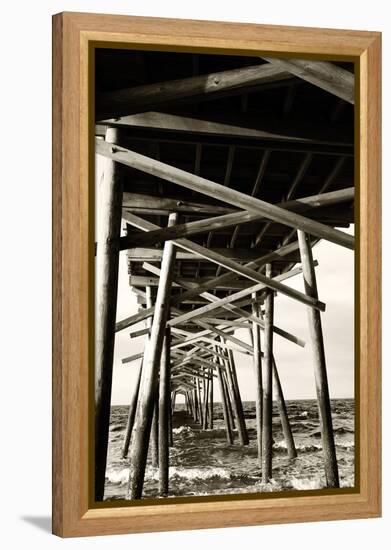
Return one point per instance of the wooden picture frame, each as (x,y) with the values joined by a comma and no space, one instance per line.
(75,35)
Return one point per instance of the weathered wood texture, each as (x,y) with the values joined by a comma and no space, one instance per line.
(320,370)
(108,231)
(149,378)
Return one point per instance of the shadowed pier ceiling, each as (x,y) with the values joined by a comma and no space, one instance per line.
(246,123)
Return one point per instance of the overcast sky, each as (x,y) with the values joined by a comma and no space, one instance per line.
(335,276)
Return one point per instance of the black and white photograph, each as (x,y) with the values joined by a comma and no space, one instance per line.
(224,275)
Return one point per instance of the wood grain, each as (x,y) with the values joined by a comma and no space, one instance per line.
(73,35)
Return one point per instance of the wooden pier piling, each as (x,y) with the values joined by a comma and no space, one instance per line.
(257,365)
(149,379)
(267,409)
(109,193)
(319,358)
(164,415)
(131,414)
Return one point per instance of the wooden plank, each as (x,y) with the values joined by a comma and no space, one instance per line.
(231,265)
(148,96)
(225,194)
(233,219)
(325,75)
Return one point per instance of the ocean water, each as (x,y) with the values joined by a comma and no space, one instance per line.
(203,463)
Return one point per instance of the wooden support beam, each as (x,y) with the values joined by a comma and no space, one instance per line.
(154,439)
(262,260)
(282,409)
(233,219)
(228,427)
(325,75)
(138,455)
(132,358)
(195,399)
(225,194)
(319,358)
(218,303)
(150,254)
(242,127)
(236,400)
(257,364)
(274,284)
(154,444)
(148,204)
(108,231)
(149,96)
(131,414)
(238,311)
(205,387)
(164,413)
(145,280)
(210,397)
(267,409)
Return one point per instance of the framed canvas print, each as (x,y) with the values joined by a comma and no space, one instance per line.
(216,239)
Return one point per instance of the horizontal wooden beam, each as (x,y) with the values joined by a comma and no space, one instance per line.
(225,194)
(262,128)
(155,254)
(325,75)
(148,204)
(230,220)
(132,358)
(149,96)
(144,280)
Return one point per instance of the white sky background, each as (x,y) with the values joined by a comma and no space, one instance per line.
(335,278)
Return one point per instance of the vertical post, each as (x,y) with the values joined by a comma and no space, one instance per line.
(211,399)
(173,401)
(201,416)
(154,430)
(132,414)
(228,401)
(164,413)
(257,362)
(321,382)
(170,435)
(195,398)
(228,428)
(236,399)
(286,427)
(108,232)
(267,420)
(206,396)
(154,443)
(149,378)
